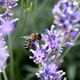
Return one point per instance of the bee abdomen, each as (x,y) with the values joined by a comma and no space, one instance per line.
(27,44)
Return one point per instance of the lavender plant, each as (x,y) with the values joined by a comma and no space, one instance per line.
(67,16)
(7,23)
(48,53)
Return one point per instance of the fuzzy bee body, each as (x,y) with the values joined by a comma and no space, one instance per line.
(29,42)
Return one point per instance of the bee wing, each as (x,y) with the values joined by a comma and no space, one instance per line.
(25,37)
(29,36)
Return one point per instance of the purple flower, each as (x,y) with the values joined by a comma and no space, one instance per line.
(50,72)
(73,33)
(7,24)
(52,38)
(48,54)
(66,13)
(40,54)
(8,4)
(53,41)
(3,53)
(6,27)
(69,44)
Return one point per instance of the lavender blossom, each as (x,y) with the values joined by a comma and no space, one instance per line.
(66,13)
(73,33)
(7,24)
(3,53)
(53,41)
(67,16)
(47,55)
(8,4)
(7,21)
(38,55)
(50,72)
(52,38)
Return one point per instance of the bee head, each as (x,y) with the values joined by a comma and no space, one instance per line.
(39,35)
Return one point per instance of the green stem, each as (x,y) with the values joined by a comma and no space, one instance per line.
(11,58)
(56,56)
(4,75)
(0,77)
(68,49)
(35,5)
(27,3)
(35,8)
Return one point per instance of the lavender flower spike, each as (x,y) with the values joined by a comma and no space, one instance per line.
(66,13)
(47,54)
(3,53)
(67,16)
(50,72)
(8,4)
(7,24)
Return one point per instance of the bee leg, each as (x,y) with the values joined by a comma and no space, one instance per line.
(33,46)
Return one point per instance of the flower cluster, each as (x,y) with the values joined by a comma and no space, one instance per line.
(67,16)
(6,19)
(50,72)
(7,23)
(3,53)
(47,53)
(66,13)
(8,5)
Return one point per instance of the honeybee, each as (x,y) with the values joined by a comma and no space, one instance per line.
(29,42)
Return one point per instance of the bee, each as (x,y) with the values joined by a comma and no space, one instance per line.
(29,42)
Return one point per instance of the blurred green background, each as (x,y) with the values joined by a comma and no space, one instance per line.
(34,16)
